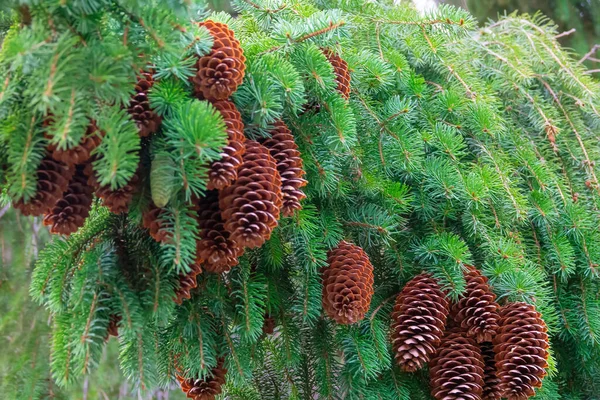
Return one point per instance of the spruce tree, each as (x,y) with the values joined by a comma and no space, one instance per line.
(314,199)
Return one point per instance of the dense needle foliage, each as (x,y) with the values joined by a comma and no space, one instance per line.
(458,146)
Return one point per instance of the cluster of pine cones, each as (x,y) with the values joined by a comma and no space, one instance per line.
(476,349)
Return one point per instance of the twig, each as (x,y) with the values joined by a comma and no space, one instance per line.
(591,71)
(565,33)
(589,53)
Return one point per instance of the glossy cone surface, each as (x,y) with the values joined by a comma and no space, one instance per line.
(145,118)
(224,171)
(53,179)
(250,207)
(491,391)
(521,347)
(83,151)
(284,150)
(477,311)
(342,74)
(207,388)
(220,72)
(347,284)
(456,371)
(69,213)
(215,249)
(418,321)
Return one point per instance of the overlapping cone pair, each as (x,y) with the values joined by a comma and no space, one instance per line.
(464,364)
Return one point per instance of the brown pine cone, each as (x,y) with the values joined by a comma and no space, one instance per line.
(151,221)
(521,347)
(456,371)
(207,388)
(222,70)
(52,181)
(113,326)
(284,150)
(250,207)
(81,153)
(268,325)
(70,212)
(187,282)
(477,311)
(145,118)
(215,248)
(491,390)
(418,321)
(224,171)
(117,200)
(342,74)
(347,283)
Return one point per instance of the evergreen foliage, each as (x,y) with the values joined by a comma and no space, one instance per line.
(458,146)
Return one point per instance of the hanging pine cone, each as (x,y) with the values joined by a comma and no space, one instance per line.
(69,213)
(207,388)
(477,311)
(117,200)
(215,249)
(81,153)
(187,282)
(145,118)
(222,70)
(521,347)
(268,325)
(113,326)
(342,74)
(224,171)
(418,321)
(151,221)
(491,390)
(284,150)
(52,181)
(347,283)
(251,206)
(456,371)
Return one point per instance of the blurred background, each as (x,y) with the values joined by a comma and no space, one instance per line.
(24,327)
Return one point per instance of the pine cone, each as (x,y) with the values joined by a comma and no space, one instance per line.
(268,325)
(117,200)
(224,171)
(81,153)
(342,74)
(491,390)
(284,150)
(215,248)
(250,207)
(347,283)
(477,311)
(456,371)
(207,388)
(187,282)
(70,212)
(151,221)
(113,326)
(145,118)
(521,347)
(53,179)
(222,70)
(418,321)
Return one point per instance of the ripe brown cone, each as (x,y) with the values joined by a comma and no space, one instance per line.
(284,150)
(187,282)
(477,311)
(268,325)
(145,118)
(418,320)
(491,390)
(52,181)
(151,221)
(83,151)
(113,326)
(250,207)
(69,213)
(207,388)
(342,74)
(224,171)
(456,371)
(215,249)
(220,72)
(521,347)
(347,283)
(117,200)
